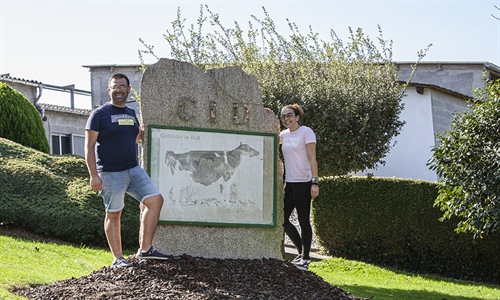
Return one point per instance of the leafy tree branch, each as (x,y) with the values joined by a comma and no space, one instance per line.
(350,90)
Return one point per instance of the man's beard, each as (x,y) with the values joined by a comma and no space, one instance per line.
(120,99)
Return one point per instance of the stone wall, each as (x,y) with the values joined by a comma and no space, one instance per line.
(178,94)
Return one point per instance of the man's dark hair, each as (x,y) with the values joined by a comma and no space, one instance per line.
(119,76)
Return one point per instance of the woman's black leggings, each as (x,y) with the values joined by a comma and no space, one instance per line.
(298,196)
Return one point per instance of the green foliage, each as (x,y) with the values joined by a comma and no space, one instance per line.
(467,161)
(349,91)
(51,196)
(20,121)
(393,222)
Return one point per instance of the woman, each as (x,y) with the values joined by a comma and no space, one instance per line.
(298,145)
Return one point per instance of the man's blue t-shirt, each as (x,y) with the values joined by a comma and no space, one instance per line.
(118,128)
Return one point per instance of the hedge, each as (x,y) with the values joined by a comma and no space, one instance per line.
(393,222)
(50,195)
(20,121)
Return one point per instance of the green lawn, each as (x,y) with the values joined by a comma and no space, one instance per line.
(365,280)
(25,262)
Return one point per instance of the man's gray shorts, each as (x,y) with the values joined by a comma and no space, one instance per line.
(136,182)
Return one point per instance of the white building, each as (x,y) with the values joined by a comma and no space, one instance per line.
(437,90)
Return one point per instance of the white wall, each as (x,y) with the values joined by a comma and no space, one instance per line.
(408,158)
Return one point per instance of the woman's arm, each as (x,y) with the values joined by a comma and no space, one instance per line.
(311,157)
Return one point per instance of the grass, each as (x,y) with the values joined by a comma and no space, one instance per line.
(369,281)
(25,263)
(29,262)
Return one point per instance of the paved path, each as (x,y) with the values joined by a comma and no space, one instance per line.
(291,253)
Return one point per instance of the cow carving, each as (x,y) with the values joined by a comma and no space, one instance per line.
(207,167)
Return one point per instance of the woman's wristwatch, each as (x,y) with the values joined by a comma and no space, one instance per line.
(315,181)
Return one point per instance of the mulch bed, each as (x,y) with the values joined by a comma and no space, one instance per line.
(187,277)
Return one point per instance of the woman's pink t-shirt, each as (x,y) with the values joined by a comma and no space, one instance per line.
(293,146)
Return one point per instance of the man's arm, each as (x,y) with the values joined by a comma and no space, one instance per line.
(90,142)
(140,135)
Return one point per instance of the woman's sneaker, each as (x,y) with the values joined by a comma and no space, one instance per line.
(303,264)
(297,259)
(152,253)
(121,263)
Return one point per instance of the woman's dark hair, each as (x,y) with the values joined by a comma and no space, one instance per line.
(297,110)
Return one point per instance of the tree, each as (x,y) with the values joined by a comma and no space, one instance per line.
(350,92)
(468,161)
(20,121)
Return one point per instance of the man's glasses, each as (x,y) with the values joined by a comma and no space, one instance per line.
(118,87)
(288,115)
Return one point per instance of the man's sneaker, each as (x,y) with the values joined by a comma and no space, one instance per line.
(303,264)
(121,263)
(152,253)
(297,259)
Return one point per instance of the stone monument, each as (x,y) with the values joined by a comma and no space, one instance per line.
(212,148)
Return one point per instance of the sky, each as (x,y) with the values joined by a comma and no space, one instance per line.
(51,41)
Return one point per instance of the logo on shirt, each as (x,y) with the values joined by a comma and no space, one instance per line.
(123,119)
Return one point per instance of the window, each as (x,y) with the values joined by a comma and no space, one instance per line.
(79,145)
(68,144)
(61,144)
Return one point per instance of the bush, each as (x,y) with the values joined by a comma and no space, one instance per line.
(20,121)
(392,222)
(50,195)
(467,161)
(354,80)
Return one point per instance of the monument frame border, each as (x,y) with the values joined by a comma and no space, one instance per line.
(274,180)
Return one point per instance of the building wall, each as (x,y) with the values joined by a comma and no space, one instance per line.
(99,76)
(29,91)
(425,115)
(412,148)
(461,78)
(443,109)
(60,123)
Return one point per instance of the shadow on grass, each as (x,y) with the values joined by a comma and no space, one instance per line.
(26,234)
(397,294)
(425,286)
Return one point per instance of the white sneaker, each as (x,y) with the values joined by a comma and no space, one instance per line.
(303,264)
(121,263)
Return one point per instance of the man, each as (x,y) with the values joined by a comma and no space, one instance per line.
(111,134)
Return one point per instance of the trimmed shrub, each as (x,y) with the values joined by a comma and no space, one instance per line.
(50,195)
(392,222)
(20,121)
